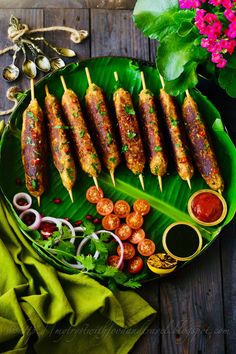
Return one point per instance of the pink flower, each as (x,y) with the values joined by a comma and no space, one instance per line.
(189,4)
(229,14)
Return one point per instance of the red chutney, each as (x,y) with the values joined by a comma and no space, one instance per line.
(207,207)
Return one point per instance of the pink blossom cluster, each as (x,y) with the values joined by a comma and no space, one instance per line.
(218,30)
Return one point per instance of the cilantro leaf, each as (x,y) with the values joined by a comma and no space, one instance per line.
(86,261)
(89,227)
(129,109)
(68,247)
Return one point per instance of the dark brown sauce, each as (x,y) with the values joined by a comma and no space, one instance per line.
(182,240)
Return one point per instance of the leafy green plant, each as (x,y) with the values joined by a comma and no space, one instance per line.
(180,56)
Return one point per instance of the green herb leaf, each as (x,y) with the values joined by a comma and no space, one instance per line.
(157,148)
(67,247)
(81,133)
(61,127)
(151,110)
(109,138)
(32,116)
(131,135)
(129,109)
(70,173)
(87,261)
(124,148)
(89,227)
(112,159)
(34,184)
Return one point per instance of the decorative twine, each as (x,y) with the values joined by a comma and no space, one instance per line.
(14,35)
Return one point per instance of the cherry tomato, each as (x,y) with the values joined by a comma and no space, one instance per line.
(146,247)
(129,251)
(110,222)
(123,232)
(121,208)
(93,195)
(137,236)
(104,206)
(141,206)
(135,265)
(134,220)
(114,260)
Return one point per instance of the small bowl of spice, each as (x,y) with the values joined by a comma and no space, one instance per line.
(207,207)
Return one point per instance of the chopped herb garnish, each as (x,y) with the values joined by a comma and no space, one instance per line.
(75,114)
(32,116)
(157,148)
(94,156)
(61,127)
(109,138)
(151,110)
(70,173)
(124,148)
(131,135)
(29,141)
(129,109)
(34,184)
(156,170)
(177,145)
(174,122)
(112,159)
(81,133)
(94,165)
(198,117)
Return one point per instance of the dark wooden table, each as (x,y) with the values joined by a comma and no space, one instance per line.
(197,306)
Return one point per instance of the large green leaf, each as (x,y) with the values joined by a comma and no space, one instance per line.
(167,207)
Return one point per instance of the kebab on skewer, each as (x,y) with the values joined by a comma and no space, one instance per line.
(84,146)
(102,124)
(202,148)
(59,142)
(177,135)
(132,145)
(34,147)
(152,133)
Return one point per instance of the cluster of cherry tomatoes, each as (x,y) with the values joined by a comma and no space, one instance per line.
(127,225)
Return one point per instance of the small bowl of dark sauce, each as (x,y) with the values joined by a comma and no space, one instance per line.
(182,241)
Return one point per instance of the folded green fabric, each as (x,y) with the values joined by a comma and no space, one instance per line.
(43,310)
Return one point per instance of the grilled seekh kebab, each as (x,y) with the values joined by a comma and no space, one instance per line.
(84,147)
(129,132)
(102,124)
(203,151)
(178,138)
(59,142)
(34,148)
(152,132)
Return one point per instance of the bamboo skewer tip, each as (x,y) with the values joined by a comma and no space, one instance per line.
(95,182)
(187,93)
(162,81)
(219,191)
(141,180)
(113,178)
(71,195)
(143,80)
(116,76)
(189,183)
(63,83)
(46,90)
(32,89)
(88,76)
(160,182)
(38,200)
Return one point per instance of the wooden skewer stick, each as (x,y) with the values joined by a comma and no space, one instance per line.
(141,180)
(63,83)
(219,191)
(162,81)
(71,195)
(116,76)
(46,90)
(189,183)
(160,182)
(143,80)
(88,76)
(187,93)
(95,182)
(113,178)
(38,199)
(32,89)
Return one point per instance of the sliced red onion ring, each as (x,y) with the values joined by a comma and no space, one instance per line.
(37,220)
(120,243)
(24,196)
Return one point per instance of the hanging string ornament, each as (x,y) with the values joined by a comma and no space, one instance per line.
(22,41)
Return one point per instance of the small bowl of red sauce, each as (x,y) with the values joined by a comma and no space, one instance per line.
(207,207)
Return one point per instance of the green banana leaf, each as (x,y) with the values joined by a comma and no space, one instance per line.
(167,207)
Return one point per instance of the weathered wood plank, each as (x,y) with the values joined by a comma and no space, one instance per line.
(34,18)
(114,33)
(228,245)
(192,309)
(76,18)
(78,4)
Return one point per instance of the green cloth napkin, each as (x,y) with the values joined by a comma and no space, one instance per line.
(43,310)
